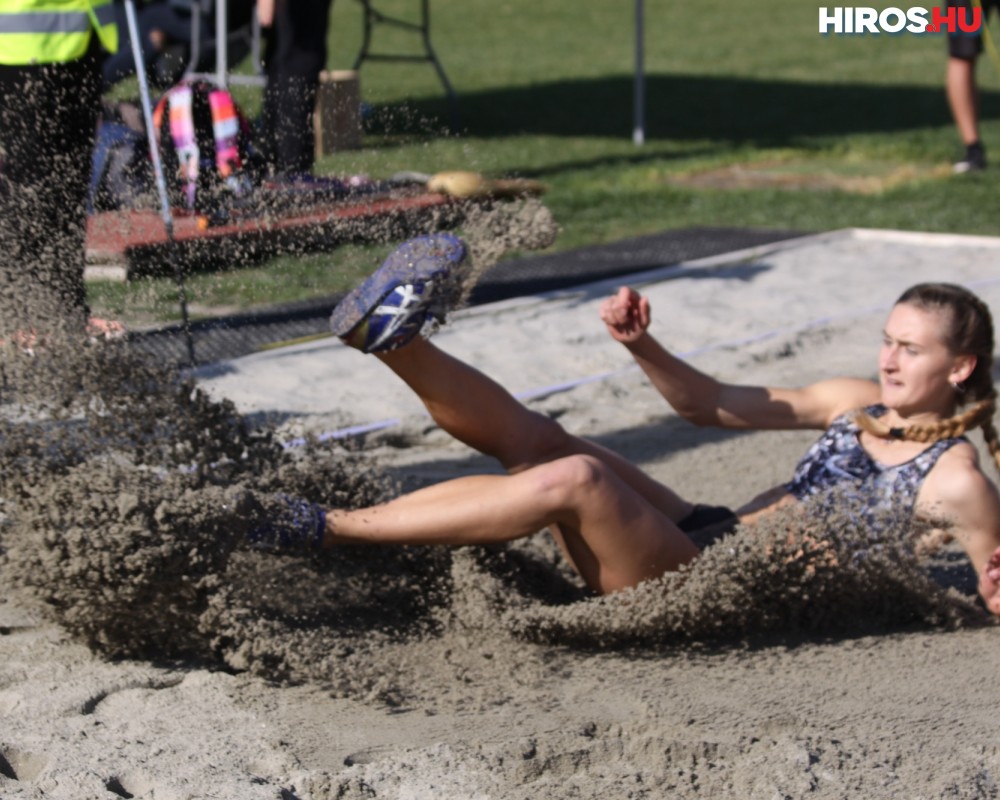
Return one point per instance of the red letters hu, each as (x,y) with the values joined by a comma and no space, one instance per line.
(943,21)
(956,20)
(965,25)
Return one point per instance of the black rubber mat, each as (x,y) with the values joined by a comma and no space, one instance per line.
(224,338)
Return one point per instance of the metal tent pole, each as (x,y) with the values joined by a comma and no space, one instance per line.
(639,124)
(221,43)
(161,183)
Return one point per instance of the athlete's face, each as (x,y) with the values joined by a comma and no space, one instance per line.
(916,366)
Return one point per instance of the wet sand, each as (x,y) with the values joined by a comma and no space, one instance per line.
(432,672)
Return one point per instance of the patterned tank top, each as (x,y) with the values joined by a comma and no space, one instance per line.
(837,459)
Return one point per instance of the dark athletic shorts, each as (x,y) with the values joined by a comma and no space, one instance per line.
(707,524)
(965,45)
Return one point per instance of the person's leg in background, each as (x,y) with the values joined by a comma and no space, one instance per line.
(294,58)
(963,93)
(48,117)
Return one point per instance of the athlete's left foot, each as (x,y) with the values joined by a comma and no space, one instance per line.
(408,295)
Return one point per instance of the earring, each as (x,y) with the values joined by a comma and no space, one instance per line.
(958,387)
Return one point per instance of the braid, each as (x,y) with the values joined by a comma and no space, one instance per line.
(979,415)
(992,438)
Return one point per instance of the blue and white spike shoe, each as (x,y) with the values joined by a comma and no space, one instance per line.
(410,293)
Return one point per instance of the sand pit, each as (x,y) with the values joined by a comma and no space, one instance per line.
(215,671)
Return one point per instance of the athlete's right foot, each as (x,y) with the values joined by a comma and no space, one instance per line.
(408,295)
(280,523)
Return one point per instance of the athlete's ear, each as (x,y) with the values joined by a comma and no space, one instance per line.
(962,369)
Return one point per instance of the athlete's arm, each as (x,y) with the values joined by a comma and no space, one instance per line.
(704,400)
(989,583)
(959,492)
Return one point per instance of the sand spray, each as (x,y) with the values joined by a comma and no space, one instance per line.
(120,484)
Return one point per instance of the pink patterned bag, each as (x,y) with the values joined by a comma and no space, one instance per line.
(205,144)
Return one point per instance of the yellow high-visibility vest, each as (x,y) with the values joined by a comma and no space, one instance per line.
(54,31)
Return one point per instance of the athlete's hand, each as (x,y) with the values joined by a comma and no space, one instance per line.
(989,583)
(626,314)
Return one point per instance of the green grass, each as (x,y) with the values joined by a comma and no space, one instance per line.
(545,90)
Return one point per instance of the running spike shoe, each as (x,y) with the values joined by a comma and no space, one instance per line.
(408,295)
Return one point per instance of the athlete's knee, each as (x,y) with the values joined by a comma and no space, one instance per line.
(573,479)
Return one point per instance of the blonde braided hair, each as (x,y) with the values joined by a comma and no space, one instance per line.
(970,332)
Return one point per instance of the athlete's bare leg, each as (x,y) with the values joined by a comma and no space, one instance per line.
(479,412)
(612,536)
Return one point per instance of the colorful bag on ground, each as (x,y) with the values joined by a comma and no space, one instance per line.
(205,145)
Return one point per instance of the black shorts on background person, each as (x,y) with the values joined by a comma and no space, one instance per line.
(294,57)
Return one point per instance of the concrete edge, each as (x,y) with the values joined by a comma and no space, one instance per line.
(748,254)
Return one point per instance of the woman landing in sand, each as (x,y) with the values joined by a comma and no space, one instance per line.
(895,443)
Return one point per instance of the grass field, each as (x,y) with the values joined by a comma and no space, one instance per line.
(545,91)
